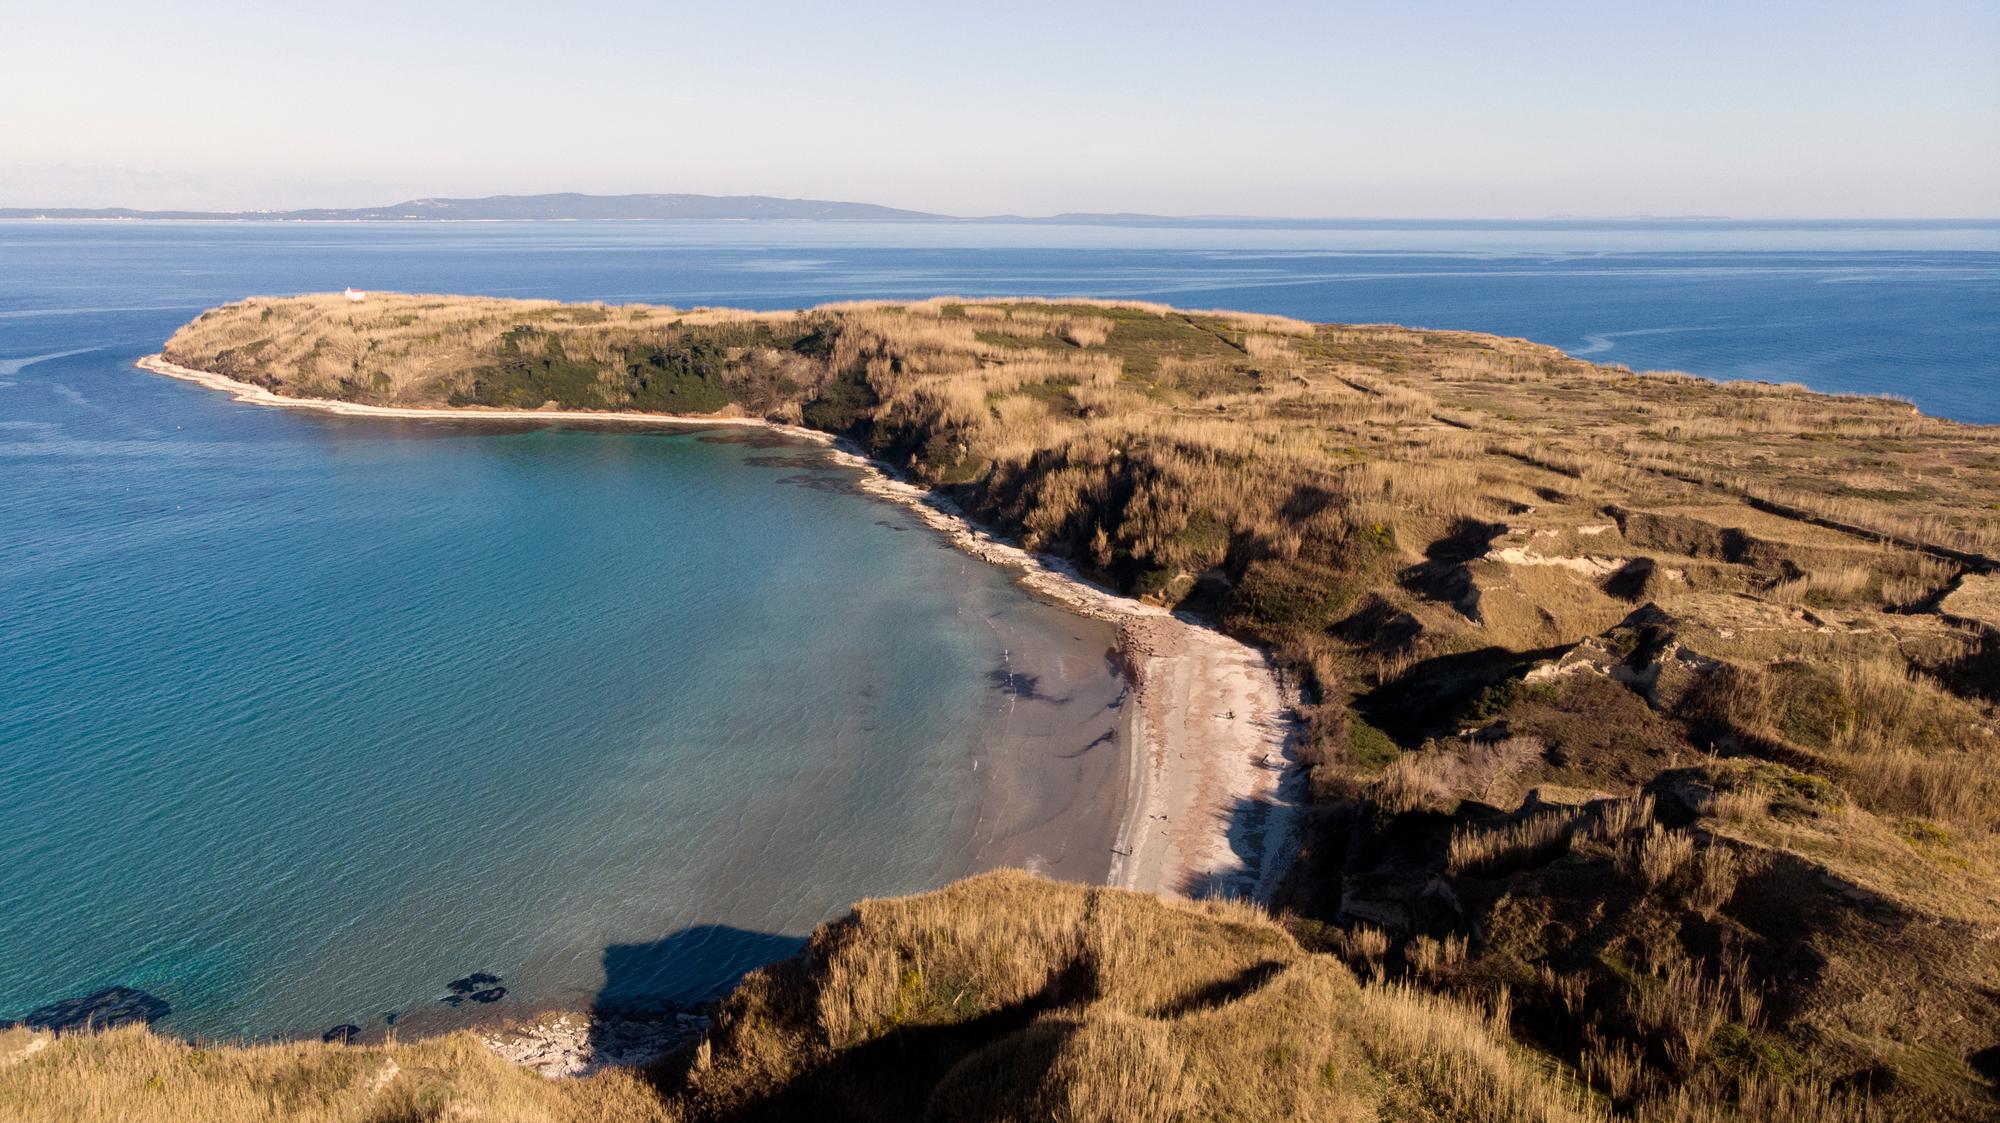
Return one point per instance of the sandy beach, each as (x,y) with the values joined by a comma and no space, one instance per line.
(1210,805)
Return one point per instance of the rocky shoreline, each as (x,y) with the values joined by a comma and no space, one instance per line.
(564,1045)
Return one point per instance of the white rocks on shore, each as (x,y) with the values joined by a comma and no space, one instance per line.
(565,1045)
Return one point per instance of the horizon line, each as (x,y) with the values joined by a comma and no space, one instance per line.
(117,212)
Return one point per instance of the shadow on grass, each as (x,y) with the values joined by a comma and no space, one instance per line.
(1429,699)
(899,1074)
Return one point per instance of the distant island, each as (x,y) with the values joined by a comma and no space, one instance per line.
(573,207)
(569,206)
(563,206)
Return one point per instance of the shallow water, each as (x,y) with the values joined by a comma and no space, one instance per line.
(302,717)
(307,716)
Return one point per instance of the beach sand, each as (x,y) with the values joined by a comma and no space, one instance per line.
(1210,803)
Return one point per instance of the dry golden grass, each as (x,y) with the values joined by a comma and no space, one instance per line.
(1118,1006)
(1894,739)
(1438,779)
(1658,854)
(1476,849)
(132,1076)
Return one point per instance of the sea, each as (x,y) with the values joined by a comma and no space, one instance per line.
(305,718)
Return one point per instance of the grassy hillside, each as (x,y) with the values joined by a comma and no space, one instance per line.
(1656,712)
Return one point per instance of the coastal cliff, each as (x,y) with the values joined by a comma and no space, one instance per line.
(1651,715)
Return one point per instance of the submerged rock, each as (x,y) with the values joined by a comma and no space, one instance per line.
(478,980)
(1017,684)
(341,1034)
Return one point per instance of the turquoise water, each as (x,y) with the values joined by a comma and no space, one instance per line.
(305,717)
(302,717)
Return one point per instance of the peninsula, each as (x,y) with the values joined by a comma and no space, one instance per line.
(1612,744)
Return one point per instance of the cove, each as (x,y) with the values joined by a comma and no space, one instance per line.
(308,717)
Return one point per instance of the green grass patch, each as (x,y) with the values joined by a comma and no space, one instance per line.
(1500,697)
(1054,393)
(682,375)
(530,369)
(1369,748)
(1740,1052)
(841,404)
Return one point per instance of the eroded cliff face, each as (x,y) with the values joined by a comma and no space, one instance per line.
(1658,711)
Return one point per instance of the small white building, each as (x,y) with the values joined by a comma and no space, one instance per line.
(355,295)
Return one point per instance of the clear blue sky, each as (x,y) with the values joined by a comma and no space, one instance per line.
(1752,109)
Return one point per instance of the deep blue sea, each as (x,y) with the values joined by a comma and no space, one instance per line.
(302,717)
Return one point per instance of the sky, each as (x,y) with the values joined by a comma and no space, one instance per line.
(1759,109)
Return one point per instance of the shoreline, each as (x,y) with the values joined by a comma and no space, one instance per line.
(1212,802)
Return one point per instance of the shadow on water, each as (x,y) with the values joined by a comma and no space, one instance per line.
(1016,684)
(101,1010)
(688,967)
(657,980)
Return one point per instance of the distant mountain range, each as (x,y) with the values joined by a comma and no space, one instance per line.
(567,206)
